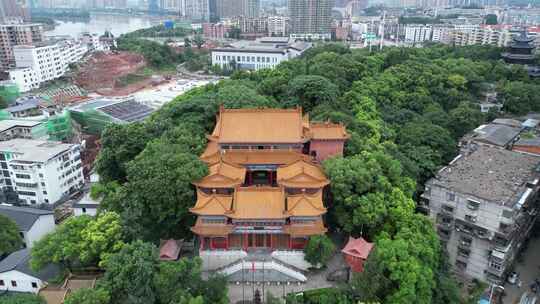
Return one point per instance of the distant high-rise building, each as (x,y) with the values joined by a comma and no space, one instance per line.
(153,5)
(14,9)
(17,34)
(236,8)
(311,19)
(196,9)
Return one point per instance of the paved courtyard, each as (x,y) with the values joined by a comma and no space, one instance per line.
(315,280)
(528,269)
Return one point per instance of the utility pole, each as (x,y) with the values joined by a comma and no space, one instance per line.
(382,30)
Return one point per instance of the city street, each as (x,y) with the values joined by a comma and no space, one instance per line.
(528,268)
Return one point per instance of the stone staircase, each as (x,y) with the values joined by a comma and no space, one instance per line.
(266,270)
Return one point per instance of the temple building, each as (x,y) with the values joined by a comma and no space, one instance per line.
(521,51)
(265,189)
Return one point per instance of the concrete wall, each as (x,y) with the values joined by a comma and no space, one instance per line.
(44,225)
(326,148)
(23,281)
(78,211)
(214,259)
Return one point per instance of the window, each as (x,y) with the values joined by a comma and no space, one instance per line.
(14,283)
(34,285)
(495,265)
(42,184)
(23,176)
(41,175)
(46,200)
(464,252)
(45,192)
(473,205)
(2,283)
(28,193)
(33,202)
(508,213)
(470,218)
(83,210)
(448,209)
(450,196)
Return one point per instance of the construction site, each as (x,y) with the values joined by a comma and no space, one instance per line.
(101,73)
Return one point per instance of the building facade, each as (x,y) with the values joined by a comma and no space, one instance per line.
(310,19)
(417,33)
(33,223)
(17,34)
(43,62)
(265,188)
(260,54)
(484,204)
(278,26)
(17,276)
(40,172)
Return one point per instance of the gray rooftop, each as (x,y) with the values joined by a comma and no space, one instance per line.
(490,173)
(19,260)
(535,142)
(23,217)
(496,134)
(8,124)
(507,122)
(34,150)
(266,45)
(120,109)
(23,106)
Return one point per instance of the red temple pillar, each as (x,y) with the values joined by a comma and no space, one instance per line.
(211,243)
(271,241)
(269,177)
(227,242)
(244,241)
(290,242)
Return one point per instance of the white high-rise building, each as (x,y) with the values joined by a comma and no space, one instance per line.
(40,172)
(417,33)
(36,64)
(277,26)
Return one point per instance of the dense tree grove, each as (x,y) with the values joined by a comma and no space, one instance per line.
(405,109)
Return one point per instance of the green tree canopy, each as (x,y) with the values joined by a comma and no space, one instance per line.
(21,298)
(10,238)
(319,250)
(88,296)
(80,240)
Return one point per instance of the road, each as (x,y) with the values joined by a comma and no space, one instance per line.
(528,268)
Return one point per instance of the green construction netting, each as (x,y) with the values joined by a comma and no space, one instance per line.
(9,92)
(4,115)
(91,121)
(59,126)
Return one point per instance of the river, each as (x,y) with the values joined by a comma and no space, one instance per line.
(99,23)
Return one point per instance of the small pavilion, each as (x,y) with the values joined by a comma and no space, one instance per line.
(356,253)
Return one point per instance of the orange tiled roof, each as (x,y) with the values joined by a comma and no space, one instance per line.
(259,126)
(301,174)
(212,204)
(222,175)
(211,229)
(305,230)
(328,131)
(258,203)
(211,147)
(305,204)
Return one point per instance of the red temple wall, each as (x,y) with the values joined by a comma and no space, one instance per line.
(326,148)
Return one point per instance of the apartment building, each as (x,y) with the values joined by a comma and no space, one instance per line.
(235,8)
(483,36)
(10,129)
(259,54)
(417,33)
(45,61)
(484,205)
(278,26)
(17,34)
(310,19)
(40,172)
